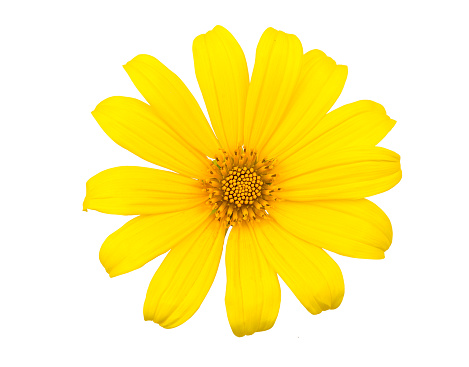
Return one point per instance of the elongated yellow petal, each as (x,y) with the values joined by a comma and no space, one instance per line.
(276,71)
(143,238)
(223,78)
(172,102)
(355,228)
(320,83)
(310,273)
(252,289)
(134,126)
(185,276)
(362,123)
(351,173)
(139,190)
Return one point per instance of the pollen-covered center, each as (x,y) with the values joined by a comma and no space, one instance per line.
(240,186)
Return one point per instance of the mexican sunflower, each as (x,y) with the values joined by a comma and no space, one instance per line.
(289,178)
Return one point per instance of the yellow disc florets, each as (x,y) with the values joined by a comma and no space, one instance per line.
(240,186)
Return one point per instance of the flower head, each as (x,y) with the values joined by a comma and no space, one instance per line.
(289,178)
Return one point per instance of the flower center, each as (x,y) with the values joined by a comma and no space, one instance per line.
(240,187)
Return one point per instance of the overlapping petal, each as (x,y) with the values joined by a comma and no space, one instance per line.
(350,173)
(309,271)
(362,123)
(184,278)
(319,85)
(172,102)
(252,289)
(144,238)
(223,78)
(140,190)
(355,228)
(134,126)
(275,74)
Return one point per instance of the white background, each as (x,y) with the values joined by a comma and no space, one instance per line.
(59,307)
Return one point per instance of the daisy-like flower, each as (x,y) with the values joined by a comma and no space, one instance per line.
(288,177)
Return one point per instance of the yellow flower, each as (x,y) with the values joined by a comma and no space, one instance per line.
(289,178)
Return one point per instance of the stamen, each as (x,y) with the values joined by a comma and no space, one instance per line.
(239,187)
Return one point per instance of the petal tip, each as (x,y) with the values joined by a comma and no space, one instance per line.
(141,58)
(85,205)
(219,28)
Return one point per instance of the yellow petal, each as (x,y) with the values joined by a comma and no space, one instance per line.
(355,228)
(223,78)
(320,83)
(351,173)
(139,190)
(362,123)
(276,71)
(172,102)
(252,289)
(143,238)
(134,126)
(308,270)
(185,276)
